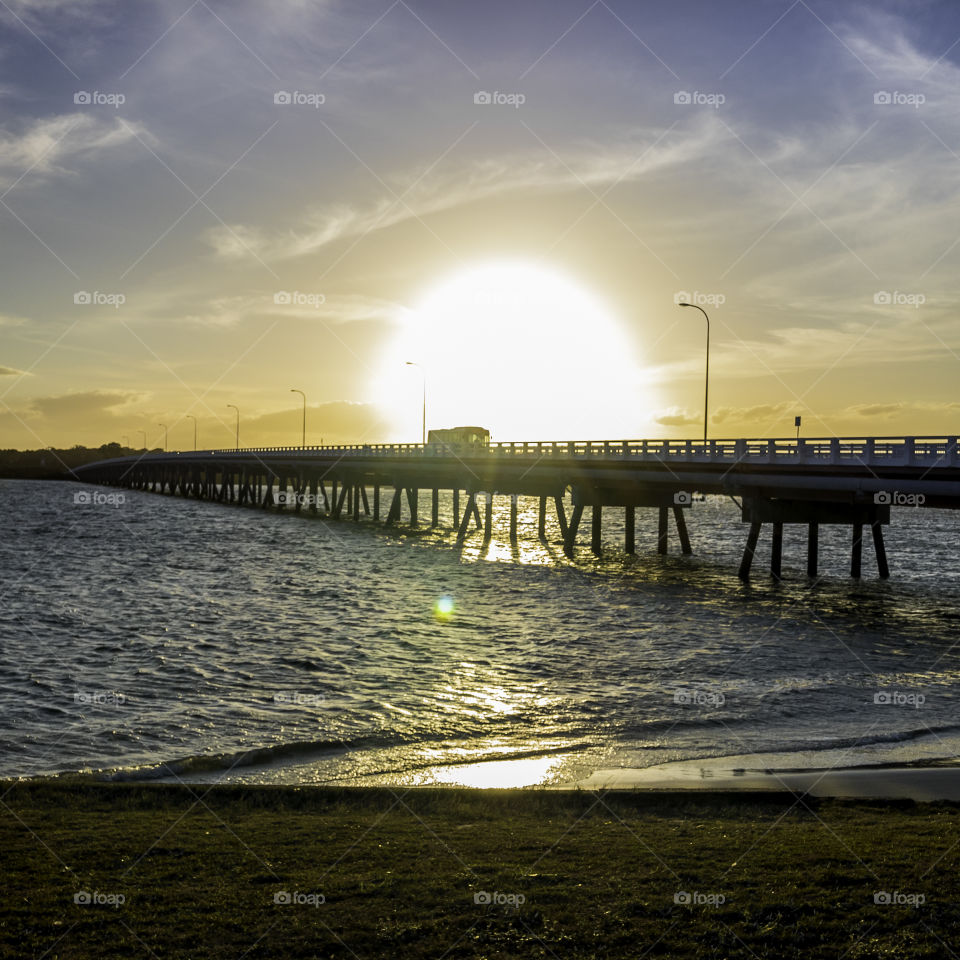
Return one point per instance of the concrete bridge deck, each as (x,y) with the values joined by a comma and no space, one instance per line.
(835,480)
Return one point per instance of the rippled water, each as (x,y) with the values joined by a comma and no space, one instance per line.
(162,637)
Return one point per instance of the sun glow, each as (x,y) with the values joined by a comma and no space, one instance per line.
(520,349)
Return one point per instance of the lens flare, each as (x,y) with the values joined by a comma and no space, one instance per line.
(443,607)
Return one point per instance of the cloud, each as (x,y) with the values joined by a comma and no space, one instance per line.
(48,146)
(753,414)
(675,417)
(83,405)
(12,372)
(411,198)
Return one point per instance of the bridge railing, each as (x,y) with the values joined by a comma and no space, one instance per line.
(835,451)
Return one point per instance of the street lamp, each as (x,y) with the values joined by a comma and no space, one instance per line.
(303,442)
(190,416)
(144,432)
(706,386)
(410,363)
(164,436)
(235,407)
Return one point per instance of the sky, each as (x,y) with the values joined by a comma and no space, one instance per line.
(496,206)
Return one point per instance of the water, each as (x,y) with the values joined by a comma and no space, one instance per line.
(166,638)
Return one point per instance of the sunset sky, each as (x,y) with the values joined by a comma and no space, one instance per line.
(794,165)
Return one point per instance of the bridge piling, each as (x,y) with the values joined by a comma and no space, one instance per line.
(435,508)
(880,549)
(542,518)
(413,495)
(856,551)
(596,524)
(561,517)
(570,538)
(681,523)
(813,548)
(488,517)
(393,514)
(376,502)
(662,531)
(456,507)
(776,551)
(629,524)
(467,516)
(513,517)
(749,550)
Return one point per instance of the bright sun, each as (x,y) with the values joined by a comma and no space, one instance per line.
(517,348)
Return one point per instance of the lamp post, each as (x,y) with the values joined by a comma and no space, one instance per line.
(303,441)
(706,382)
(164,436)
(423,438)
(235,407)
(144,432)
(190,416)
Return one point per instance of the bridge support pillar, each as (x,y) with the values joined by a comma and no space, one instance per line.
(561,518)
(488,517)
(376,501)
(393,514)
(813,548)
(856,551)
(339,501)
(467,515)
(413,494)
(749,550)
(513,517)
(456,507)
(881,550)
(366,502)
(630,527)
(776,551)
(682,529)
(476,514)
(596,529)
(435,508)
(542,518)
(356,502)
(570,536)
(662,531)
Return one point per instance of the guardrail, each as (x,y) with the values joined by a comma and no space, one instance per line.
(890,451)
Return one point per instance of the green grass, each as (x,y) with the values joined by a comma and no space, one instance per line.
(199,868)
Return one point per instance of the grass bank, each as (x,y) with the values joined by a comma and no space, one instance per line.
(119,870)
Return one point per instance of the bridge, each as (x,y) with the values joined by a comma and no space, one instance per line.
(854,482)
